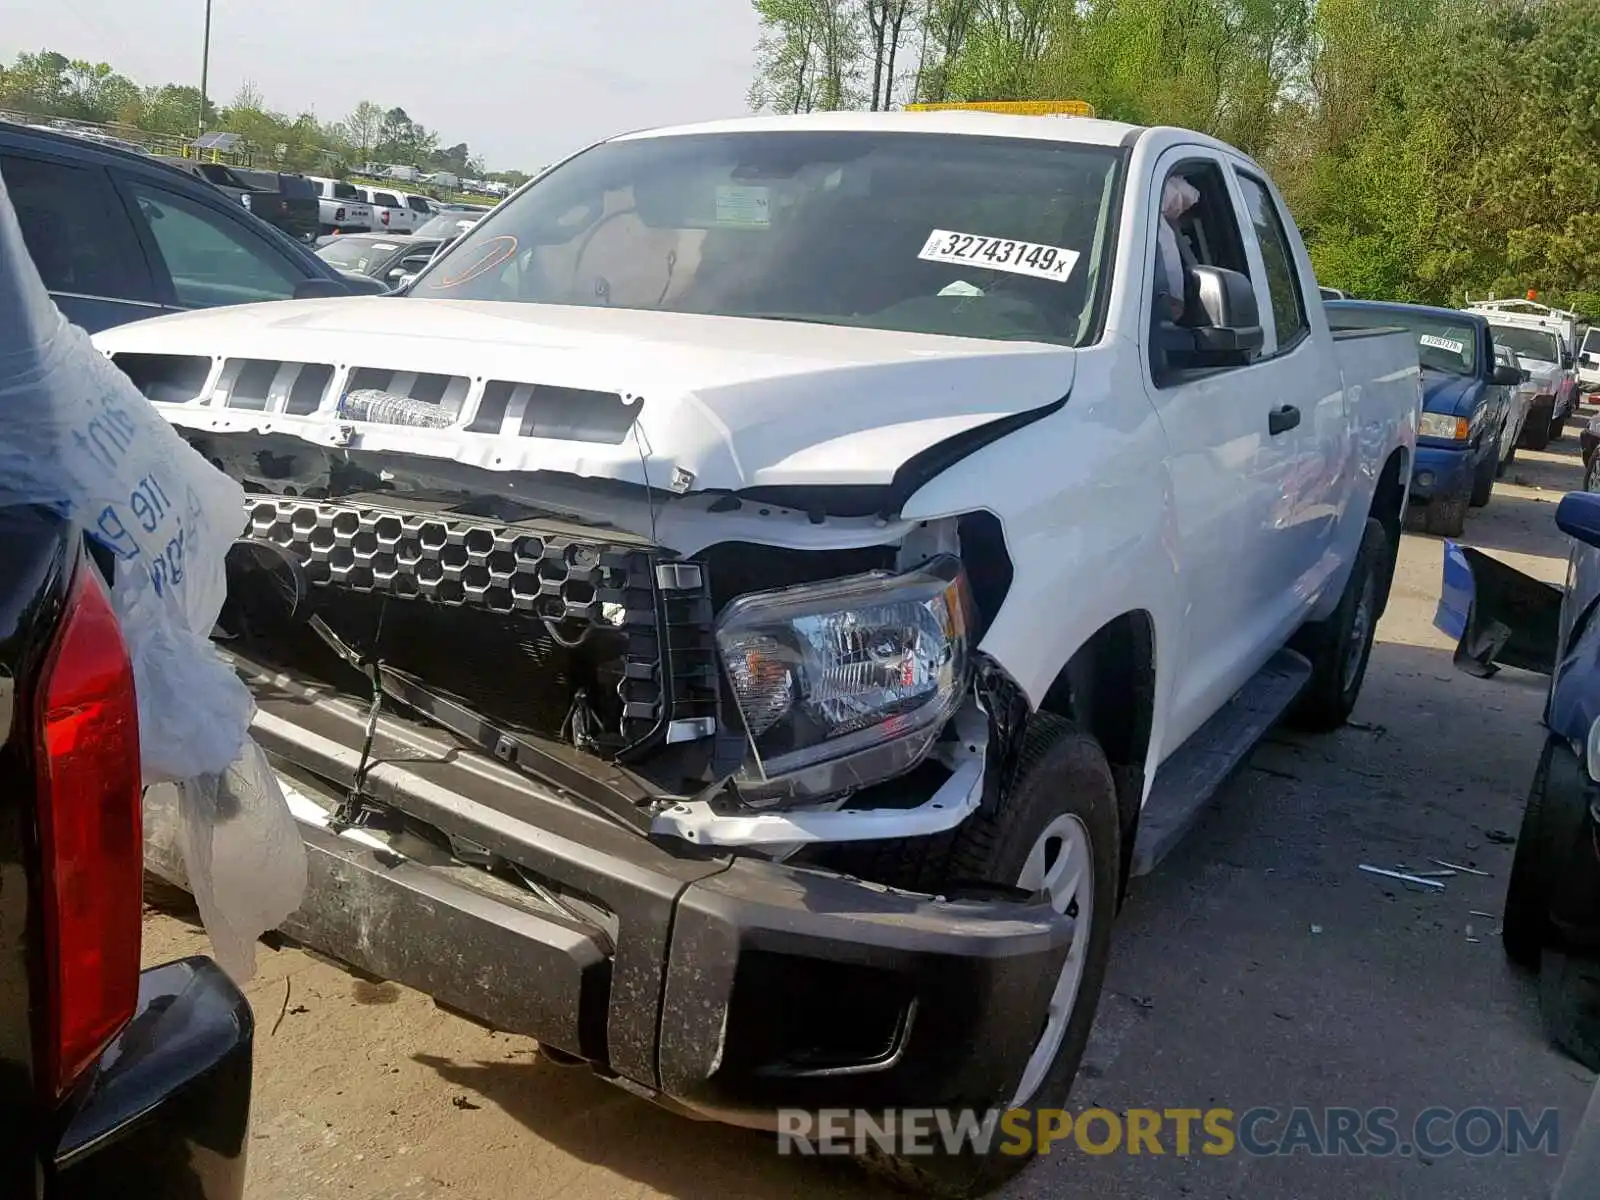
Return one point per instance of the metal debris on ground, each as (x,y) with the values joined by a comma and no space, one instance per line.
(1446,874)
(463,1103)
(1434,884)
(1475,913)
(1500,837)
(1316,929)
(1439,862)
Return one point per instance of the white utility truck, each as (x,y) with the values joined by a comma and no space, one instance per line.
(743,614)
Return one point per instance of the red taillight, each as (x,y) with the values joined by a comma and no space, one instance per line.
(90,835)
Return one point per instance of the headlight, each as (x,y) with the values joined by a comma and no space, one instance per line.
(866,669)
(1437,425)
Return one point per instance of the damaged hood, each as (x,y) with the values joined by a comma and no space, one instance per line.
(676,401)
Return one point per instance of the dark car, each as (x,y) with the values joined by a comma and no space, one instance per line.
(1503,617)
(287,202)
(379,255)
(119,236)
(1466,407)
(113,1082)
(110,1079)
(290,202)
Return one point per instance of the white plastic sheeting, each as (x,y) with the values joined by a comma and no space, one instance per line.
(77,436)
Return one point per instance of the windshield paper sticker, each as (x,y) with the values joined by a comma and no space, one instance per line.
(744,206)
(1442,343)
(1000,254)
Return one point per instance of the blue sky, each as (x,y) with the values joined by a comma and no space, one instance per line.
(520,82)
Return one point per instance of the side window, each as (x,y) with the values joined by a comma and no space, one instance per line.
(1197,227)
(1283,280)
(77,234)
(387,199)
(416,204)
(211,258)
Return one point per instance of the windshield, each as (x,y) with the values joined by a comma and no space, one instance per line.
(1591,341)
(1442,344)
(968,236)
(1529,343)
(446,225)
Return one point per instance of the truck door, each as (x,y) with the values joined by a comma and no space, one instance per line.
(1231,451)
(1301,371)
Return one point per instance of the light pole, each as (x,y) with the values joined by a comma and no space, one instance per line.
(205,66)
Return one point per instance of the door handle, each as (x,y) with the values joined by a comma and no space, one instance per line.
(1281,420)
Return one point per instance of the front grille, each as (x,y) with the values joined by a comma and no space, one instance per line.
(525,621)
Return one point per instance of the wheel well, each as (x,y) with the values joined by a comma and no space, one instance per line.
(1109,690)
(1388,506)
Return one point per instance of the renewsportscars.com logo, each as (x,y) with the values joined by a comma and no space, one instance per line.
(1257,1132)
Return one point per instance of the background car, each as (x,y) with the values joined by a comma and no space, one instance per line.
(378,255)
(119,236)
(286,201)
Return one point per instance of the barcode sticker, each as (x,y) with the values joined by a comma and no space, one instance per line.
(1000,254)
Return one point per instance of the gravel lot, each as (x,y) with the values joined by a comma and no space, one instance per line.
(1258,967)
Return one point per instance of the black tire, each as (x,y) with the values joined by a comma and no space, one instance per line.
(1552,818)
(1445,516)
(1569,1000)
(1591,473)
(1557,428)
(1061,771)
(1483,479)
(1536,433)
(1340,647)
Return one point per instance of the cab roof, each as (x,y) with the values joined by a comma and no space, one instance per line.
(1089,131)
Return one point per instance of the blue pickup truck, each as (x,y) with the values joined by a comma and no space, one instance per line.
(1465,432)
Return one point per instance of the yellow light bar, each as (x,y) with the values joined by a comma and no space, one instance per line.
(1014,108)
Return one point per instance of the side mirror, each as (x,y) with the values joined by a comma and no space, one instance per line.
(1578,516)
(1505,376)
(1232,333)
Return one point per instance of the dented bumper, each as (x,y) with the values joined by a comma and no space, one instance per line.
(731,986)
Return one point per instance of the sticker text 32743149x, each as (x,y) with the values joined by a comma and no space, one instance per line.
(999,254)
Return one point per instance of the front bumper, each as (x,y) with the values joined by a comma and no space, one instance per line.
(1442,472)
(167,1113)
(728,986)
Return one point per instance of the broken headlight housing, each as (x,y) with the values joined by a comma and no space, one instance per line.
(845,683)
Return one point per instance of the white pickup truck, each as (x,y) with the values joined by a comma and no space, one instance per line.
(743,615)
(342,208)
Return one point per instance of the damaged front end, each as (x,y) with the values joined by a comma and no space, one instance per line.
(745,695)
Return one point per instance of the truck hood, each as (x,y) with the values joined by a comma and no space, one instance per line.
(686,402)
(1546,374)
(1452,395)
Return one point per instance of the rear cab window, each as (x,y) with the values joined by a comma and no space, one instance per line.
(386,199)
(1277,256)
(345,191)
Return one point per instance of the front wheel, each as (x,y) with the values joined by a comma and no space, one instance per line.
(1341,646)
(1055,835)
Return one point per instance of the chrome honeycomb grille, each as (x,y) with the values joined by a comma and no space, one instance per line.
(514,618)
(453,560)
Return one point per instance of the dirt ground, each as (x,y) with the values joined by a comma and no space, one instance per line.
(1257,967)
